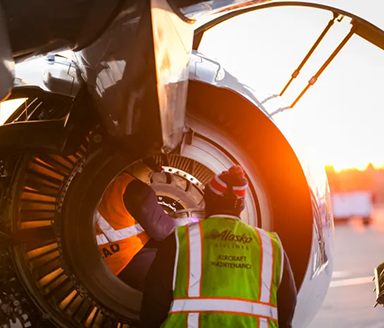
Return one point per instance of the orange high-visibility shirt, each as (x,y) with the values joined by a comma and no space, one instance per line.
(119,236)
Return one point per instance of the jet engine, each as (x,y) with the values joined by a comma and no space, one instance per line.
(51,189)
(120,106)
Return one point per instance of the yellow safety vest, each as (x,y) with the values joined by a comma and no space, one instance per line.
(227,274)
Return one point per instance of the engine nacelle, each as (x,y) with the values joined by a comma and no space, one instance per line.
(225,124)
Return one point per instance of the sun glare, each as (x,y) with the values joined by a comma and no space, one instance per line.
(359,167)
(339,168)
(340,117)
(8,107)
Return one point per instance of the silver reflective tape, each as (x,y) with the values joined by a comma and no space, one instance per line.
(195,260)
(220,305)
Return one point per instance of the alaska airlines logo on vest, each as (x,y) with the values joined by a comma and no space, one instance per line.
(236,241)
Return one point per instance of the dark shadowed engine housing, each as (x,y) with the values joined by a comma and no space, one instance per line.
(39,27)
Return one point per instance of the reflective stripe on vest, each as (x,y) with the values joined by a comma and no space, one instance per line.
(266,267)
(217,305)
(111,235)
(195,260)
(190,258)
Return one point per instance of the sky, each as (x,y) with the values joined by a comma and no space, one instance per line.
(342,116)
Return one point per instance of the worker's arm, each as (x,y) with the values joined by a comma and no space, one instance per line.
(141,202)
(158,293)
(286,296)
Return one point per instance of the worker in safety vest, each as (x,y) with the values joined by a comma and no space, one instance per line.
(129,225)
(220,272)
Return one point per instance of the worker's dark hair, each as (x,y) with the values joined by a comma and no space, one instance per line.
(225,193)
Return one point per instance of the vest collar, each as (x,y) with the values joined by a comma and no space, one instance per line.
(224,216)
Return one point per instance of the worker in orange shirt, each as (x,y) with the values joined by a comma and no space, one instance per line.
(129,226)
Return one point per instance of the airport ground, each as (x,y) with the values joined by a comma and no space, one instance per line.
(350,299)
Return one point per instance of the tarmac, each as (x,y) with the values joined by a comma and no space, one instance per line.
(350,300)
